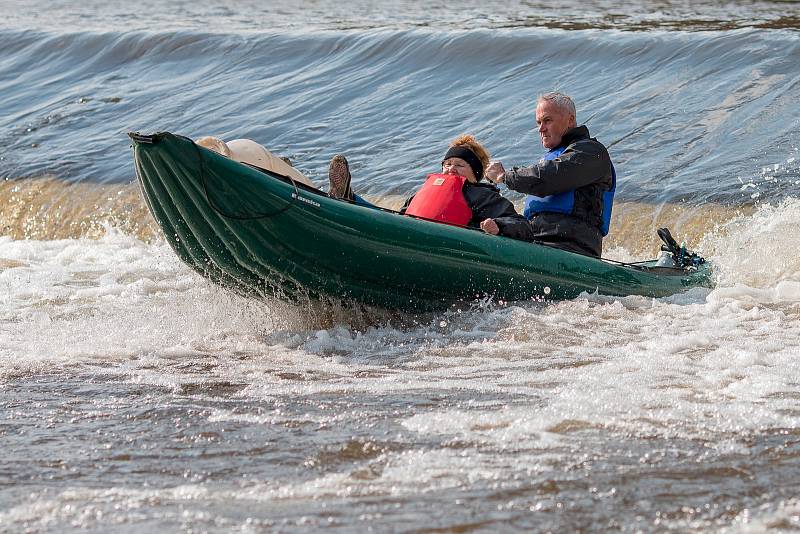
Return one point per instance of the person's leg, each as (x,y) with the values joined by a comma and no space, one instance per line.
(339,178)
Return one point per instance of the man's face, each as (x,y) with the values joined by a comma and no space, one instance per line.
(553,123)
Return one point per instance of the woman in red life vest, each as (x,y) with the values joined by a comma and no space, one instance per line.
(456,196)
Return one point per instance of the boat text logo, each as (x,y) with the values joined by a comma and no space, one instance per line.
(306,200)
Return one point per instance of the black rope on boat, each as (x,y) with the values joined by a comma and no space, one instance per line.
(395,212)
(635,264)
(222,212)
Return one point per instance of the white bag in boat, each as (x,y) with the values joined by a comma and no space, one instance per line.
(252,153)
(214,143)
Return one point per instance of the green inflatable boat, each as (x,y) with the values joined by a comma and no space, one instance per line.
(263,234)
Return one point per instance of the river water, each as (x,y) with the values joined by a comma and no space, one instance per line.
(136,396)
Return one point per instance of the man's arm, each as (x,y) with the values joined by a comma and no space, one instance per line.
(489,205)
(581,164)
(516,227)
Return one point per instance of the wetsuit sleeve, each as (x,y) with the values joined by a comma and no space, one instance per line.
(516,227)
(488,204)
(581,164)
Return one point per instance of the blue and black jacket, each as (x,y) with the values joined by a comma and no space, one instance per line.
(571,193)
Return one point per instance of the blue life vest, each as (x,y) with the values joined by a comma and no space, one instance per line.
(565,202)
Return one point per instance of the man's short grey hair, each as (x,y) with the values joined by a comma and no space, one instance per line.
(560,100)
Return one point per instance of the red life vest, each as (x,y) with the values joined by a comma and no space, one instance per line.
(441,198)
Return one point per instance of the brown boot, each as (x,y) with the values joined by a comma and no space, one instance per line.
(339,178)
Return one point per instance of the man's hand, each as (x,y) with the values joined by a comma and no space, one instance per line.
(490,227)
(495,172)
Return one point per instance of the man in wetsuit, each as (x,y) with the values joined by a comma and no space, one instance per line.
(571,189)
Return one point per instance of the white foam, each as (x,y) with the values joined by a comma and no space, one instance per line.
(692,370)
(758,250)
(781,516)
(115,298)
(703,361)
(86,508)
